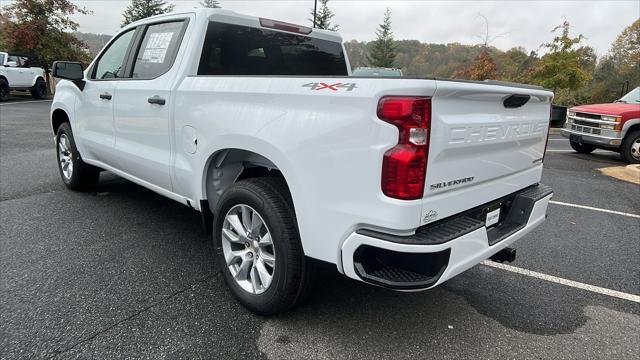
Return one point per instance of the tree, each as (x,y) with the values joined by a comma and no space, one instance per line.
(383,49)
(625,54)
(323,17)
(482,68)
(140,9)
(487,38)
(213,4)
(43,28)
(564,67)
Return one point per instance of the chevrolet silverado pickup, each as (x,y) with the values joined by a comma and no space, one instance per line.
(19,72)
(614,126)
(258,125)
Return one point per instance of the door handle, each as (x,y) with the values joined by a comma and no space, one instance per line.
(156,100)
(105,96)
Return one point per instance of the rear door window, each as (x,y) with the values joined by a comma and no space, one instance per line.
(240,50)
(158,49)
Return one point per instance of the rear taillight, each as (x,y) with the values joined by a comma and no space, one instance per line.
(404,166)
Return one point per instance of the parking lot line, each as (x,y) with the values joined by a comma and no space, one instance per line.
(568,150)
(595,209)
(23,102)
(558,280)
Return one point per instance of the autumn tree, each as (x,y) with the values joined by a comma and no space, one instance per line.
(323,17)
(43,28)
(564,68)
(140,9)
(383,50)
(213,4)
(482,68)
(625,54)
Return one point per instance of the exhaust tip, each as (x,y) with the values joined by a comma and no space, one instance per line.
(504,255)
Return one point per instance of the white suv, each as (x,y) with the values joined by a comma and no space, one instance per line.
(21,72)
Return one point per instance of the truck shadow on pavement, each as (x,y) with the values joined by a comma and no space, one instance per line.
(480,299)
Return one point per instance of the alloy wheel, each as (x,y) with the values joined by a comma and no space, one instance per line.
(65,157)
(248,249)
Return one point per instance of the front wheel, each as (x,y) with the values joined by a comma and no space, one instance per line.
(582,148)
(4,89)
(39,90)
(258,248)
(75,173)
(630,148)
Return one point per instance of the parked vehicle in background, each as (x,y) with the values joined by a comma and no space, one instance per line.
(256,123)
(21,72)
(377,72)
(614,126)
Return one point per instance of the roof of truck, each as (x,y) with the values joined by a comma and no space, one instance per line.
(232,17)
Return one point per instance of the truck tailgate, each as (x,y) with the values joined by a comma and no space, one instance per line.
(479,145)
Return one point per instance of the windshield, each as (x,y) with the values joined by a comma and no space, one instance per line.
(1,59)
(633,97)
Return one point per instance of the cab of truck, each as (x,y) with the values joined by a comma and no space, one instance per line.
(611,126)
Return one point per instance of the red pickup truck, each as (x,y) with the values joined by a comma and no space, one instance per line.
(614,126)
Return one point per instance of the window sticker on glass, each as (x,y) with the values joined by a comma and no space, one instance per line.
(157,47)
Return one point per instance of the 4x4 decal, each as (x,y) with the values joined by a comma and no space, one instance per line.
(332,87)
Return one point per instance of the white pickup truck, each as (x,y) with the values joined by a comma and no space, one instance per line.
(19,72)
(402,183)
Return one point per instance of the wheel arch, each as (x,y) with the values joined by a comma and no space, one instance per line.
(58,117)
(633,127)
(227,166)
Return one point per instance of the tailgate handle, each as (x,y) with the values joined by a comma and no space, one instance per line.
(515,101)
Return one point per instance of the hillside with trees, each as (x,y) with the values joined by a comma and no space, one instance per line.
(567,64)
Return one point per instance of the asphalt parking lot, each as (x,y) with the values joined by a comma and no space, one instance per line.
(122,272)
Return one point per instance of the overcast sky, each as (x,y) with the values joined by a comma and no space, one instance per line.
(523,23)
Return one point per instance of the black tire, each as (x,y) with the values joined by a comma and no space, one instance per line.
(292,272)
(630,147)
(4,89)
(39,90)
(82,176)
(582,148)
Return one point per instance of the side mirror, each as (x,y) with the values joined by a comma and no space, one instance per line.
(68,70)
(11,64)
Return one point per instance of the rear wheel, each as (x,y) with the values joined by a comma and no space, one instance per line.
(4,89)
(630,148)
(39,90)
(75,173)
(582,148)
(258,249)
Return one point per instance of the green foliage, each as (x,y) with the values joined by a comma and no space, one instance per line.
(567,66)
(213,4)
(383,51)
(43,28)
(625,54)
(323,17)
(140,9)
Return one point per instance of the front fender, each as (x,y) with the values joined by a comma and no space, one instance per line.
(627,124)
(65,100)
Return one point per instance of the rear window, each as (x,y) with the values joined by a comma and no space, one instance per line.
(240,50)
